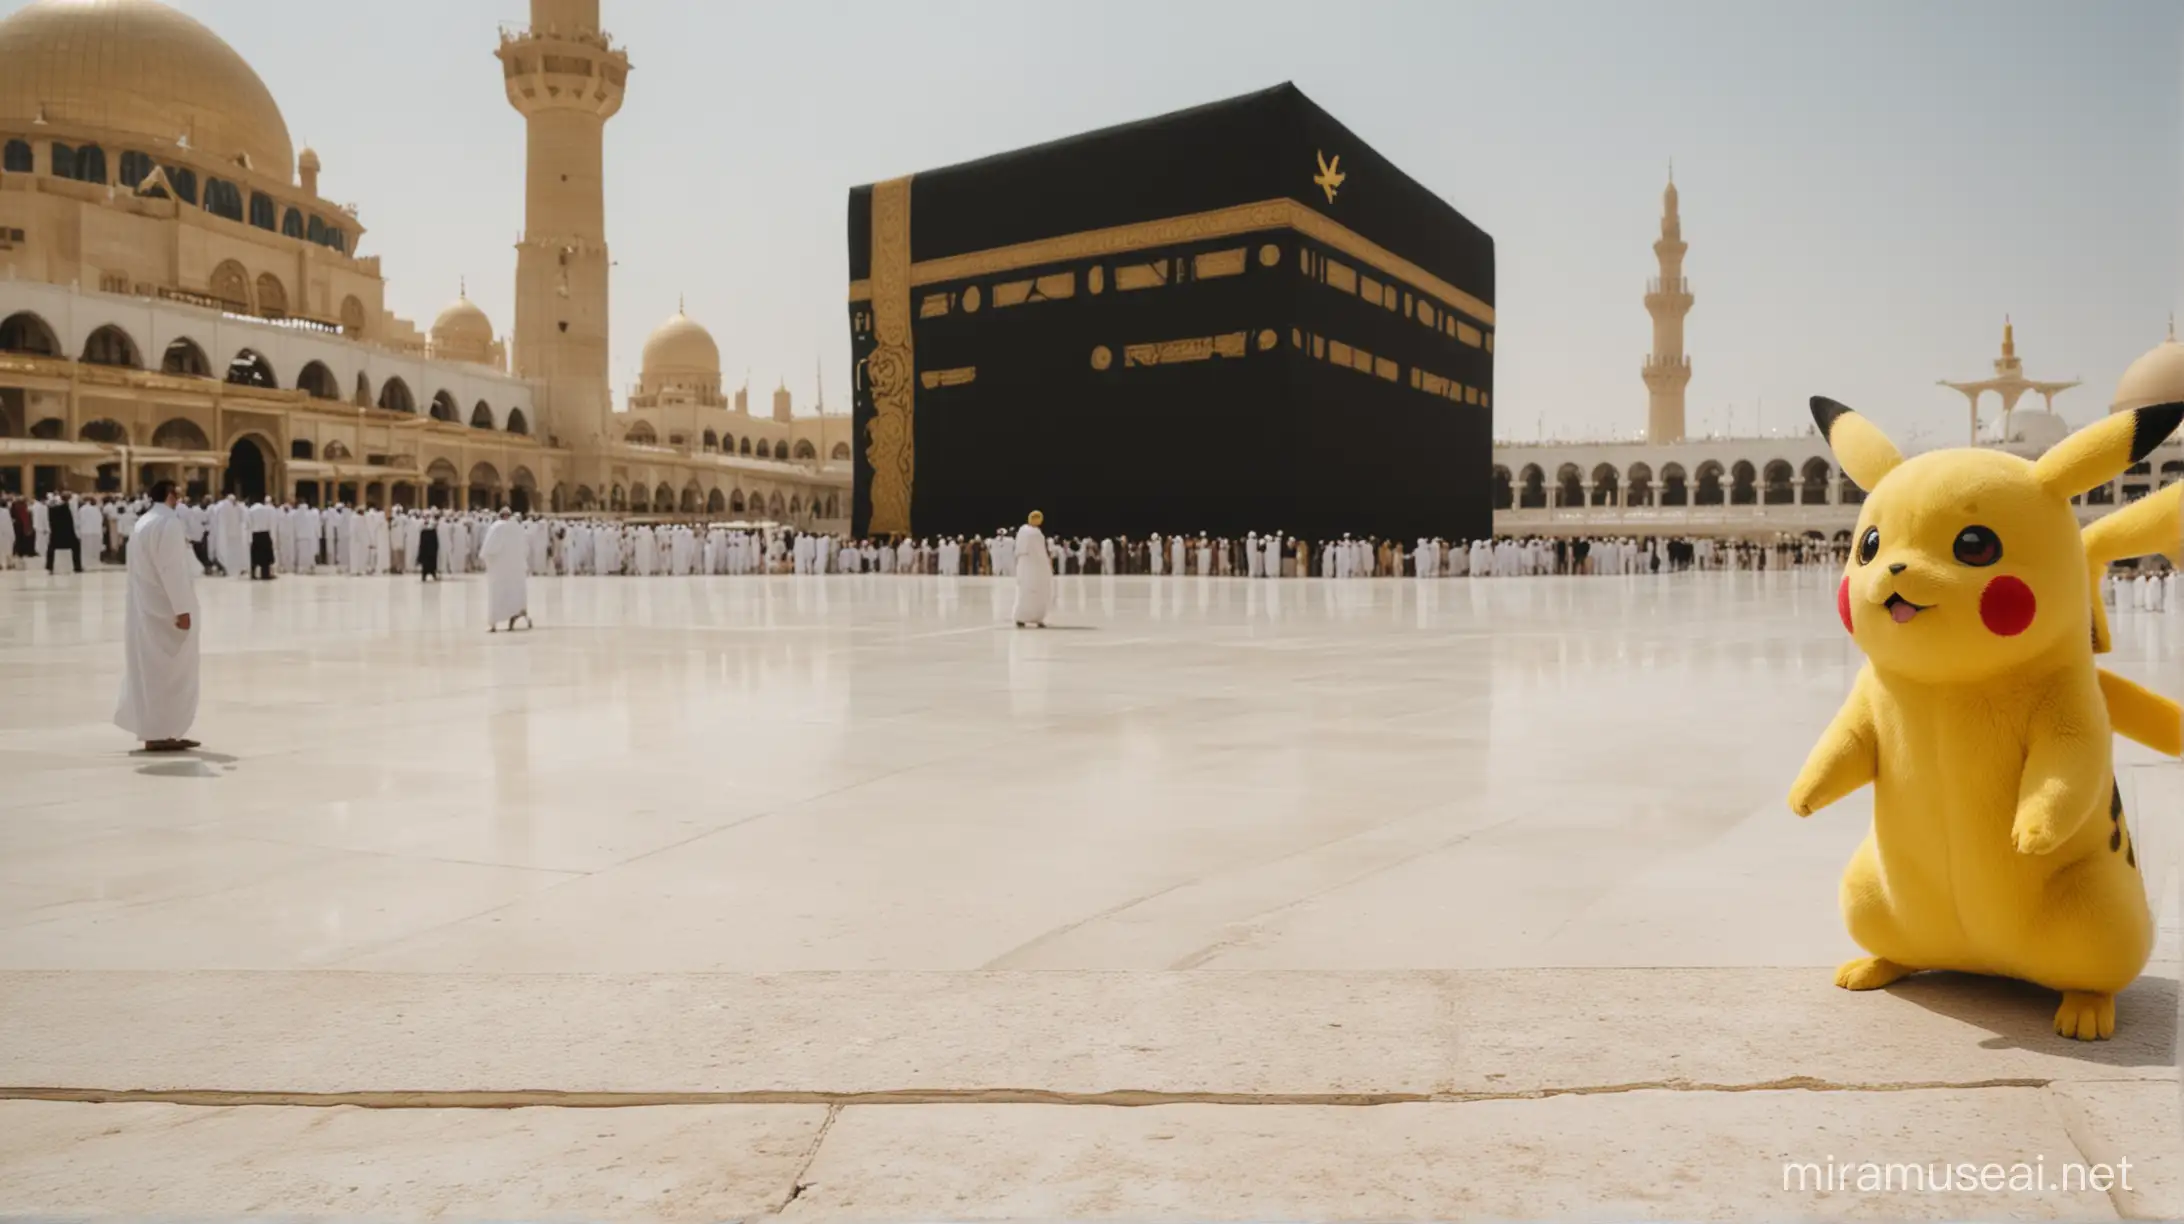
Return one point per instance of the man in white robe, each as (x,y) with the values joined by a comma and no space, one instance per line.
(507,574)
(1034,574)
(159,631)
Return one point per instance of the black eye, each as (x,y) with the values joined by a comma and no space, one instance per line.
(1869,545)
(1978,546)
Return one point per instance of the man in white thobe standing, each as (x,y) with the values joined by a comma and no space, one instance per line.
(507,574)
(159,633)
(1034,573)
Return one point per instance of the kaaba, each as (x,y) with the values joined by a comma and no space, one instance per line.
(1233,318)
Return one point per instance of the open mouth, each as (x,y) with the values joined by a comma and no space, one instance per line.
(1903,609)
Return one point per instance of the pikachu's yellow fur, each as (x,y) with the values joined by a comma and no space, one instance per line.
(1999,841)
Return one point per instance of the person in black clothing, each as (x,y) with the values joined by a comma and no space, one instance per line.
(428,549)
(61,534)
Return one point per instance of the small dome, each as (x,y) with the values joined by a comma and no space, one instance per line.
(139,67)
(680,346)
(2033,430)
(2156,378)
(462,324)
(308,159)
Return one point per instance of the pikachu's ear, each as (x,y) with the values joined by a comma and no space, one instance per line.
(2100,452)
(1864,451)
(2147,526)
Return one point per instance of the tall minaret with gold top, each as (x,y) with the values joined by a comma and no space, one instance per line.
(566,78)
(1668,299)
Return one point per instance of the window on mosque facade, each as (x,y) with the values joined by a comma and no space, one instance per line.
(184,182)
(19,159)
(263,212)
(64,160)
(223,199)
(135,168)
(292,223)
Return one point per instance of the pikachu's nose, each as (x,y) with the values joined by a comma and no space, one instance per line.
(1897,568)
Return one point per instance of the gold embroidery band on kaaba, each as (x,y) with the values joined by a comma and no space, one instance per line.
(935,379)
(1219,223)
(891,367)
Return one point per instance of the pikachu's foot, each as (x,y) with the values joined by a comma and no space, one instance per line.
(2087,1015)
(1869,973)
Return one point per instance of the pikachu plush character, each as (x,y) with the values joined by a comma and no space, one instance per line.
(1999,843)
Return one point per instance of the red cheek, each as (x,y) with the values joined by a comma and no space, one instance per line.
(1842,605)
(2007,607)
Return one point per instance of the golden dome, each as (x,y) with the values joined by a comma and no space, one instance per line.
(680,346)
(139,67)
(2155,378)
(462,324)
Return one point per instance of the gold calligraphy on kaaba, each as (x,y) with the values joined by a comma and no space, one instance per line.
(1330,175)
(1177,352)
(890,369)
(933,380)
(1219,223)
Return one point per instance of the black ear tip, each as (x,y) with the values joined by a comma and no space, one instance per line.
(1824,413)
(2150,427)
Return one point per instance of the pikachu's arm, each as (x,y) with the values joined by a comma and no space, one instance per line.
(2067,771)
(1846,758)
(2140,714)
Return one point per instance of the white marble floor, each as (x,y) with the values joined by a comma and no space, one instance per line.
(873,772)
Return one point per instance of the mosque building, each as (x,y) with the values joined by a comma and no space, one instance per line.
(1669,483)
(178,300)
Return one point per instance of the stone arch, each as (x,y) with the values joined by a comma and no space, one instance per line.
(105,431)
(796,505)
(272,296)
(735,502)
(834,505)
(1781,482)
(692,498)
(230,284)
(485,486)
(522,490)
(316,381)
(715,502)
(1675,487)
(1606,483)
(773,504)
(585,498)
(27,332)
(840,451)
(352,317)
(641,433)
(394,396)
(805,450)
(765,449)
(1638,485)
(710,440)
(517,422)
(727,444)
(1815,492)
(1847,492)
(334,452)
(443,408)
(182,434)
(481,415)
(249,368)
(663,498)
(640,498)
(249,466)
(1532,488)
(1709,491)
(1569,486)
(744,445)
(109,345)
(1743,484)
(1504,492)
(185,359)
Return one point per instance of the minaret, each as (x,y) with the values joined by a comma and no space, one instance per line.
(566,78)
(1668,300)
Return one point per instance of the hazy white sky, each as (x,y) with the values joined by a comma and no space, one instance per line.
(1868,187)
